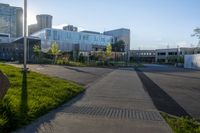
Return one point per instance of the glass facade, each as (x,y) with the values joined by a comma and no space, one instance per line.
(11,20)
(67,39)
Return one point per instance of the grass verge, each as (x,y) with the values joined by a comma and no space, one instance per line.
(182,124)
(30,96)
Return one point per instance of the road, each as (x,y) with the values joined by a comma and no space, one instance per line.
(114,103)
(173,90)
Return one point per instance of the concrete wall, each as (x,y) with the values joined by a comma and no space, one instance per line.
(192,61)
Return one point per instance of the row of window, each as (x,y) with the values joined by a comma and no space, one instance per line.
(146,54)
(169,53)
(70,36)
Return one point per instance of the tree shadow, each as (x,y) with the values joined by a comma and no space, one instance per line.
(24,96)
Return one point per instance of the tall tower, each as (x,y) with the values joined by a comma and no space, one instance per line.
(44,21)
(11,20)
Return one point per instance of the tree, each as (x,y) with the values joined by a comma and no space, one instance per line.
(55,50)
(197,34)
(36,50)
(118,46)
(109,50)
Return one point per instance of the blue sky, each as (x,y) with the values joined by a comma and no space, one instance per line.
(153,23)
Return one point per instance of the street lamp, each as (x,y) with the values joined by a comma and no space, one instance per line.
(25,36)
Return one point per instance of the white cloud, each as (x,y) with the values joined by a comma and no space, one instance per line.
(60,26)
(183,44)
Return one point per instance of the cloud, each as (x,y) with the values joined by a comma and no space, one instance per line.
(60,26)
(183,44)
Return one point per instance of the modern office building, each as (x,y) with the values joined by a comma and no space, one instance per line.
(11,20)
(4,38)
(70,28)
(14,50)
(120,34)
(43,21)
(71,41)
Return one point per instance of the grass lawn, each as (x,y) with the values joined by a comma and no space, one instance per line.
(182,125)
(30,96)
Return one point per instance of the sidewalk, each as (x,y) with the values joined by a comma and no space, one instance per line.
(117,103)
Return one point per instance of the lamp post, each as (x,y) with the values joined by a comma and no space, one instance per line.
(25,35)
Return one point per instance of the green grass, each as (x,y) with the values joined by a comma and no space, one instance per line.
(182,124)
(28,99)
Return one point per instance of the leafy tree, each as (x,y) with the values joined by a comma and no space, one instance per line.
(109,50)
(55,50)
(181,59)
(37,50)
(118,46)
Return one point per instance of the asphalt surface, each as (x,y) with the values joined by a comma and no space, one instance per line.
(114,103)
(173,90)
(81,75)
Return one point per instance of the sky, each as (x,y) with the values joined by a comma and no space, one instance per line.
(153,23)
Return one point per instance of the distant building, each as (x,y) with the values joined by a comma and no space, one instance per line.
(121,34)
(70,28)
(171,55)
(4,38)
(143,56)
(43,21)
(11,20)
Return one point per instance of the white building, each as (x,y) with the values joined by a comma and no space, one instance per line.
(192,61)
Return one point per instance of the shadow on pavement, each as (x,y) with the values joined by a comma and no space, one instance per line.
(78,70)
(160,98)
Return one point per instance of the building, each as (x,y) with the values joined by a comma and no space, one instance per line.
(43,21)
(91,32)
(143,56)
(11,20)
(171,55)
(120,34)
(4,38)
(14,50)
(70,28)
(71,41)
(192,61)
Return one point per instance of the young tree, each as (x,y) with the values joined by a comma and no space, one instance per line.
(55,51)
(109,50)
(37,51)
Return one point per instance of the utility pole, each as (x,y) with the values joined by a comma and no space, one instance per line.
(25,35)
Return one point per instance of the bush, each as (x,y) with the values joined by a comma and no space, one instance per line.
(182,124)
